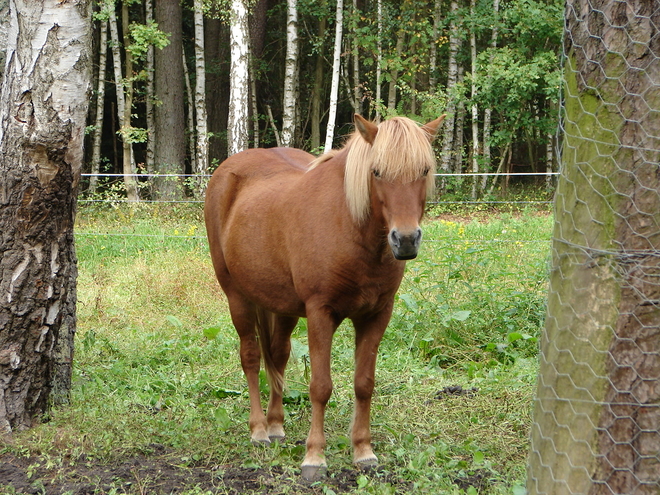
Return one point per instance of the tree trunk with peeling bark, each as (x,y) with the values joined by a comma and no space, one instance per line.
(44,102)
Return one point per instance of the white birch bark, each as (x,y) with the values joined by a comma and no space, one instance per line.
(100,100)
(237,127)
(448,138)
(291,62)
(475,109)
(43,110)
(334,88)
(202,159)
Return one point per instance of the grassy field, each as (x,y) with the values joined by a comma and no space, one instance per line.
(159,401)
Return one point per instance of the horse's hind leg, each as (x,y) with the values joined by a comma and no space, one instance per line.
(280,348)
(244,317)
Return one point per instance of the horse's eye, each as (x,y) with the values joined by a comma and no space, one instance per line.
(425,173)
(376,173)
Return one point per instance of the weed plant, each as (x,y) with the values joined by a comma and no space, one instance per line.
(157,368)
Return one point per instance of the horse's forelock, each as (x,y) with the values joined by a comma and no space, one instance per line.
(400,152)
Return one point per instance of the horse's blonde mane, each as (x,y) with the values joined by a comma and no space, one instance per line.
(400,152)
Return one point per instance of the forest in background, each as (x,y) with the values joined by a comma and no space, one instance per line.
(179,85)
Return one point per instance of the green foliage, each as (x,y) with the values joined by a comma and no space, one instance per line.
(144,36)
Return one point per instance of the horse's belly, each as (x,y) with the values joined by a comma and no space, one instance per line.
(265,284)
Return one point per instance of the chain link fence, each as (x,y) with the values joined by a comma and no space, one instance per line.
(596,424)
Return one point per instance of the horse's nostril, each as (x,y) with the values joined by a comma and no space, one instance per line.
(395,238)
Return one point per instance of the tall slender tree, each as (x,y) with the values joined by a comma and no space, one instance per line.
(127,148)
(100,102)
(488,111)
(448,138)
(201,131)
(473,96)
(290,73)
(237,127)
(336,67)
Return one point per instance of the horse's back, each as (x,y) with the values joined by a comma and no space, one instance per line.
(245,176)
(260,163)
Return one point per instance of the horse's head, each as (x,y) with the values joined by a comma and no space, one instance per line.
(398,172)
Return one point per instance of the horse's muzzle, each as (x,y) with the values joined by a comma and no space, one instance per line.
(405,246)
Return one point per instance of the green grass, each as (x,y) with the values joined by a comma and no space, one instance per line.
(147,375)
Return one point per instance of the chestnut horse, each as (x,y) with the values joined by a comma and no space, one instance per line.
(324,239)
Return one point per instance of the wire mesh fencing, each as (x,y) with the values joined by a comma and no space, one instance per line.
(596,424)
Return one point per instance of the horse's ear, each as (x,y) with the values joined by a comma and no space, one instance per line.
(432,127)
(366,128)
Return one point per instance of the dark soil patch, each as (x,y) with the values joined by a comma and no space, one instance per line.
(479,479)
(160,475)
(455,391)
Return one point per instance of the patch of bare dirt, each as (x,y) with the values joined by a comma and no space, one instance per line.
(158,475)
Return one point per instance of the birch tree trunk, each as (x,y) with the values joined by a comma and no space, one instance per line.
(448,138)
(45,95)
(475,109)
(336,67)
(202,135)
(237,127)
(290,72)
(489,111)
(100,101)
(597,407)
(129,180)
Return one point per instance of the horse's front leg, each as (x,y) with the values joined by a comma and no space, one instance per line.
(368,334)
(321,326)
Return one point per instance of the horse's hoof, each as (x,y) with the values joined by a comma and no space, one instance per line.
(261,440)
(368,464)
(277,438)
(314,473)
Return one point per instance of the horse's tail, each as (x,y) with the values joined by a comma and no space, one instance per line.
(265,326)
